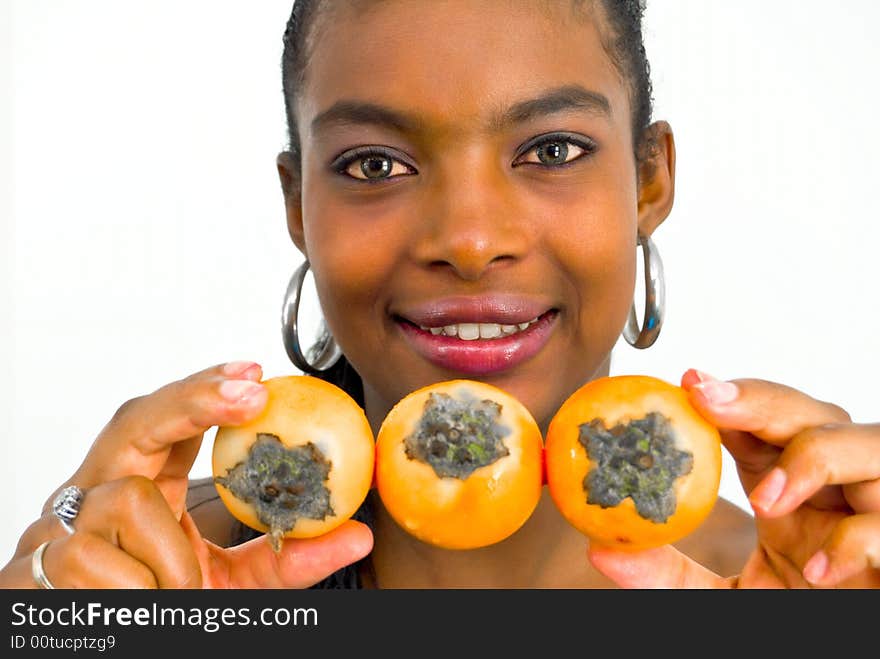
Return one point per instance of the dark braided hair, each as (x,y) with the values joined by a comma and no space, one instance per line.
(624,44)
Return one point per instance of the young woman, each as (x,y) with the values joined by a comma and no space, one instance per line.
(460,163)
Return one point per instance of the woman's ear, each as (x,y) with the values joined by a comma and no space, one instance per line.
(656,177)
(291,186)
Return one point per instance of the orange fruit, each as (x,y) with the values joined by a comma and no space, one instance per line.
(302,467)
(458,464)
(631,464)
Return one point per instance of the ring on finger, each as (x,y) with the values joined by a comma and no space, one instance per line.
(66,506)
(37,567)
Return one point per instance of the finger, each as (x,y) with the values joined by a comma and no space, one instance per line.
(753,457)
(851,554)
(756,418)
(181,410)
(47,527)
(831,454)
(863,497)
(663,567)
(158,435)
(301,562)
(82,560)
(773,412)
(762,572)
(172,480)
(137,518)
(132,514)
(87,560)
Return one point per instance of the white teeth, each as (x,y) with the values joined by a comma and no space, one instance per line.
(489,330)
(473,331)
(468,331)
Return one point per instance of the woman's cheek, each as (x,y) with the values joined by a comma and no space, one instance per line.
(350,261)
(600,260)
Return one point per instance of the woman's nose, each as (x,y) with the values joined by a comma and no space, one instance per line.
(472,222)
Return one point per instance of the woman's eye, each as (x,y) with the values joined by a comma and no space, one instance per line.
(373,167)
(555,152)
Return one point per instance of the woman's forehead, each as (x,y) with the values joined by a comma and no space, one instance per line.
(457,62)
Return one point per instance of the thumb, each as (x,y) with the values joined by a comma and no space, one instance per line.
(302,562)
(661,567)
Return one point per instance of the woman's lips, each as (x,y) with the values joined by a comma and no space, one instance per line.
(480,356)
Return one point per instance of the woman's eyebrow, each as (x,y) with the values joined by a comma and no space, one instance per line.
(559,99)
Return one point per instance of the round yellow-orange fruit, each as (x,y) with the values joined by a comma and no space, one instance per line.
(458,464)
(303,466)
(630,462)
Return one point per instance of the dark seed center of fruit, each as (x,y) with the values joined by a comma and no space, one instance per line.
(636,460)
(283,484)
(457,437)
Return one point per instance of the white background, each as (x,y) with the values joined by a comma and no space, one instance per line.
(143,237)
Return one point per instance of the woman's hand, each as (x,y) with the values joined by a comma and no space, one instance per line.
(813,479)
(133,530)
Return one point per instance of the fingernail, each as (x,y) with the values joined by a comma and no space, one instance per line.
(240,391)
(704,377)
(232,369)
(769,490)
(717,392)
(816,567)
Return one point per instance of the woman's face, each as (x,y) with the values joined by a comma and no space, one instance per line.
(467,166)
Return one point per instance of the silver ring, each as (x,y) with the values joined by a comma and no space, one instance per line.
(66,506)
(37,567)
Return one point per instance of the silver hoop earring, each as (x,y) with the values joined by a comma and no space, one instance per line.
(325,352)
(655,299)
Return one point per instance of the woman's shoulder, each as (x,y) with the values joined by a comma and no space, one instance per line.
(724,541)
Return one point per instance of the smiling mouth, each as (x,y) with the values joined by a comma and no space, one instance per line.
(479,348)
(475,331)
